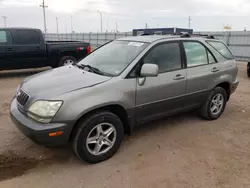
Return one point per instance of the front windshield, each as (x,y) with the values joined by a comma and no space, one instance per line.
(114,57)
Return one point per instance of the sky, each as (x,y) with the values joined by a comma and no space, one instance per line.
(206,15)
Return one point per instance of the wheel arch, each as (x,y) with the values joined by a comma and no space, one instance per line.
(116,109)
(227,86)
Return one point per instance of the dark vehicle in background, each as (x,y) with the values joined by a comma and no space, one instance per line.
(22,48)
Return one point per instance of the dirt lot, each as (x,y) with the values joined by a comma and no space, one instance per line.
(180,151)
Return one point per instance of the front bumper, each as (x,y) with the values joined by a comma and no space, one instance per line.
(234,86)
(39,132)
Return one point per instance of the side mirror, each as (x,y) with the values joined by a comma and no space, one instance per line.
(149,70)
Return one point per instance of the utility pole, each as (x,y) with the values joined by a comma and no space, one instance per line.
(5,20)
(116,26)
(57,31)
(101,18)
(146,25)
(66,27)
(44,15)
(189,22)
(71,19)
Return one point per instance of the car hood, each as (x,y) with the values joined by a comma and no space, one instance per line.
(61,80)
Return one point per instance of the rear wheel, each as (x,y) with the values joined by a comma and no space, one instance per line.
(67,60)
(98,137)
(215,104)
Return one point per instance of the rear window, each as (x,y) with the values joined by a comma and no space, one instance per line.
(221,48)
(27,37)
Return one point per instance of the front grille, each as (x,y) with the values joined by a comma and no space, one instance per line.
(22,97)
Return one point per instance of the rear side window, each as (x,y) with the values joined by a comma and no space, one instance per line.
(167,56)
(27,37)
(221,48)
(196,54)
(5,37)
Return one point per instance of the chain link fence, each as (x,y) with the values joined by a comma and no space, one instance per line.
(238,41)
(95,39)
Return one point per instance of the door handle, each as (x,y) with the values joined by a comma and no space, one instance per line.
(9,49)
(215,69)
(179,77)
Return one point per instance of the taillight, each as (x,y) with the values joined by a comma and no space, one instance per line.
(89,49)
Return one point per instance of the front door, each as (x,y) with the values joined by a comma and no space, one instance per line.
(29,49)
(158,96)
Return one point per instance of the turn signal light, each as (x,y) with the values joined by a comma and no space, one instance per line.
(58,133)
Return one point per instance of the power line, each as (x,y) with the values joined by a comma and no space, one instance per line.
(44,15)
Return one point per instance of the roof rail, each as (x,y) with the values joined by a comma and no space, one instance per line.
(205,35)
(185,35)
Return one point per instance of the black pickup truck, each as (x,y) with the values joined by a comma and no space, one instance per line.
(22,48)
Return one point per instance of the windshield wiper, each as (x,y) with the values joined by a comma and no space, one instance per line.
(92,69)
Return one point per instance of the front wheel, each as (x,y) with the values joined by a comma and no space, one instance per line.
(98,137)
(215,104)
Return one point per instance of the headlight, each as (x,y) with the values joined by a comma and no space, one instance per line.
(44,111)
(18,89)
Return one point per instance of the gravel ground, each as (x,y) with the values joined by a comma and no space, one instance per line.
(179,151)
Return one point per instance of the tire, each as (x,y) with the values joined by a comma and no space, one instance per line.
(64,60)
(85,130)
(206,109)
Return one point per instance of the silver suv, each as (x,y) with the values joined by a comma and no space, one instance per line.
(123,83)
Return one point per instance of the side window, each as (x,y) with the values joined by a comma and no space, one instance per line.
(167,56)
(196,54)
(221,48)
(5,37)
(27,37)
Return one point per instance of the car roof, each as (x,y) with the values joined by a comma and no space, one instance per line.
(153,38)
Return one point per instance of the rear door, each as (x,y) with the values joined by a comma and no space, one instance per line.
(161,95)
(202,69)
(6,50)
(29,48)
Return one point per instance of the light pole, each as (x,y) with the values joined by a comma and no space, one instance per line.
(5,20)
(44,15)
(101,18)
